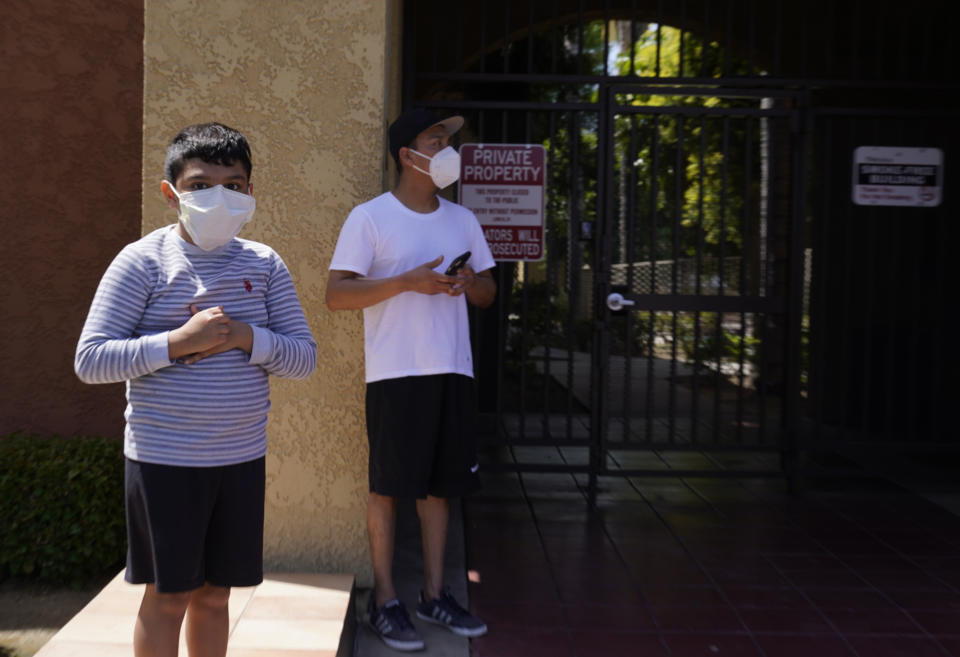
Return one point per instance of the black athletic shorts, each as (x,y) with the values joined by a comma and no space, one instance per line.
(189,526)
(422,434)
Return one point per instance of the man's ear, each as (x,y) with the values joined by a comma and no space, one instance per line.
(408,154)
(168,194)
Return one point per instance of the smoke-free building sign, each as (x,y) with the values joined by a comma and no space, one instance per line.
(897,175)
(503,184)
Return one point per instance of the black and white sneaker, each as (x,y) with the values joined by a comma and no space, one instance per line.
(447,612)
(392,624)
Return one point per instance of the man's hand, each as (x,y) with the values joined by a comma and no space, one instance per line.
(205,330)
(425,280)
(466,279)
(479,288)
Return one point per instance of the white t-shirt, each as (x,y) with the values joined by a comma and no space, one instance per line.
(412,334)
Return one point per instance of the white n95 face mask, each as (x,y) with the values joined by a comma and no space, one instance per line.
(215,215)
(444,167)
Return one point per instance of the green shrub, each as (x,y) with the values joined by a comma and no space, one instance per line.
(704,350)
(61,508)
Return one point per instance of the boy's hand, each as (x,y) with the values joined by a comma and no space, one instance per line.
(425,280)
(239,336)
(466,277)
(204,330)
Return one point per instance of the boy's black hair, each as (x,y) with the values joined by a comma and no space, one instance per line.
(214,143)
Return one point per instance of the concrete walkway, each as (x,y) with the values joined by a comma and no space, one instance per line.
(288,615)
(697,567)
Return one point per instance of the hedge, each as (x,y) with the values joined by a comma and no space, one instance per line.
(61,508)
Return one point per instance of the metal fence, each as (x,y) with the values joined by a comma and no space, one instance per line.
(683,135)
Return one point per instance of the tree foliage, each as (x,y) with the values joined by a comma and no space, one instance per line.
(690,168)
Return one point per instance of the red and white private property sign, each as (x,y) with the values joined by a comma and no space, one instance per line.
(503,185)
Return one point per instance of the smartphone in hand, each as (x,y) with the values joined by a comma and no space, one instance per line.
(457,264)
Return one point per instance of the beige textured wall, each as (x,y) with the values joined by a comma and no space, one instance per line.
(305,81)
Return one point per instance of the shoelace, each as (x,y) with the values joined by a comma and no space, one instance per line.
(451,604)
(396,613)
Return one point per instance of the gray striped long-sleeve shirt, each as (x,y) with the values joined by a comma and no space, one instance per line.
(212,412)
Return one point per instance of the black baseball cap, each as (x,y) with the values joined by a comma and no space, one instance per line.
(412,122)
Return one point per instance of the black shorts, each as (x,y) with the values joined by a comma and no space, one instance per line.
(422,433)
(189,526)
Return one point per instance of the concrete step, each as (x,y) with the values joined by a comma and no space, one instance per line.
(288,615)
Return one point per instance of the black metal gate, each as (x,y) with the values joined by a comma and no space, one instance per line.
(673,326)
(708,276)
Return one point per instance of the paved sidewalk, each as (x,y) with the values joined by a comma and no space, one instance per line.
(697,566)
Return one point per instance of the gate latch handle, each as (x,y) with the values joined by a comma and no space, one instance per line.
(615,301)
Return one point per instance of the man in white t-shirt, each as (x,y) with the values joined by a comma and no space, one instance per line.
(392,260)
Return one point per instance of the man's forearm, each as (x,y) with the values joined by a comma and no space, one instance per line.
(356,293)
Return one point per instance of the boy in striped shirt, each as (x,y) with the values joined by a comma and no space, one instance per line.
(195,319)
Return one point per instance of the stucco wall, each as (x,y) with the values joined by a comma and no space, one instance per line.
(305,81)
(70,99)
